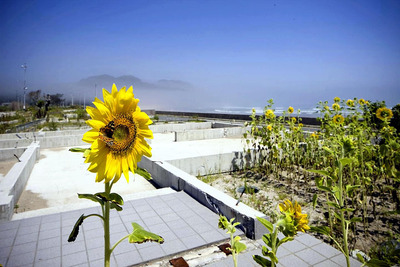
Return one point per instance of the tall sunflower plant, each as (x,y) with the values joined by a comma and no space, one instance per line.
(118,142)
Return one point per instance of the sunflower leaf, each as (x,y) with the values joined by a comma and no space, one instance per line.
(262,261)
(92,197)
(139,235)
(144,173)
(78,149)
(266,223)
(75,231)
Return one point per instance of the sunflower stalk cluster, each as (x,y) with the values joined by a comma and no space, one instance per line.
(117,139)
(290,221)
(353,160)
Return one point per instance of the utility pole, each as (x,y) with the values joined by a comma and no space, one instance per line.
(24,66)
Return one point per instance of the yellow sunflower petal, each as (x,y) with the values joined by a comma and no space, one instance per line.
(95,124)
(90,136)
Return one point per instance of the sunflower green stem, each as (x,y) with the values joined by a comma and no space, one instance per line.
(106,215)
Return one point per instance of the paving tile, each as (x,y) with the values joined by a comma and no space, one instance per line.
(308,240)
(98,263)
(173,246)
(7,242)
(73,247)
(292,260)
(202,228)
(163,210)
(168,235)
(151,253)
(177,224)
(282,252)
(341,261)
(10,233)
(152,220)
(30,221)
(48,253)
(158,228)
(310,256)
(4,251)
(49,234)
(21,239)
(294,246)
(327,263)
(213,236)
(115,237)
(193,241)
(74,259)
(169,217)
(23,248)
(50,262)
(128,259)
(115,228)
(21,259)
(28,229)
(184,232)
(94,242)
(51,218)
(326,250)
(49,226)
(95,254)
(124,247)
(4,226)
(48,243)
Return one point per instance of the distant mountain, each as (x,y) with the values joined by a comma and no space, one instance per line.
(106,81)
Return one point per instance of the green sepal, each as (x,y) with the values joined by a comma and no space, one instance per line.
(75,231)
(139,235)
(92,198)
(266,223)
(144,173)
(262,261)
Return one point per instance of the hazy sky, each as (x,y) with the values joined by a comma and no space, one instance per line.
(233,53)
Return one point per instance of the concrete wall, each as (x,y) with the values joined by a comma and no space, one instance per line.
(210,133)
(8,153)
(212,164)
(12,185)
(166,175)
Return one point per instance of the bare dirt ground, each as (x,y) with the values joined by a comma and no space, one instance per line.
(273,191)
(5,166)
(30,201)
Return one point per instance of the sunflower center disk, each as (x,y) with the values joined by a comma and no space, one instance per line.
(119,134)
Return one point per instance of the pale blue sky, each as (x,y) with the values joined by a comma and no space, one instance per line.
(234,53)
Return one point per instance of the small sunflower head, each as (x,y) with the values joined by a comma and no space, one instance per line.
(361,101)
(314,135)
(338,119)
(384,114)
(336,99)
(292,220)
(269,127)
(294,120)
(335,106)
(270,114)
(350,103)
(290,110)
(300,125)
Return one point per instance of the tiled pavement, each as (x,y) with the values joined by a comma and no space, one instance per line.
(180,220)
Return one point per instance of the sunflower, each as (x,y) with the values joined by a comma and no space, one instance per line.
(335,106)
(350,103)
(294,120)
(299,219)
(314,135)
(290,110)
(118,135)
(384,114)
(269,127)
(338,119)
(269,114)
(361,101)
(336,99)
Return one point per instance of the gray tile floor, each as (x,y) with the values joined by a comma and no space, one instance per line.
(180,220)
